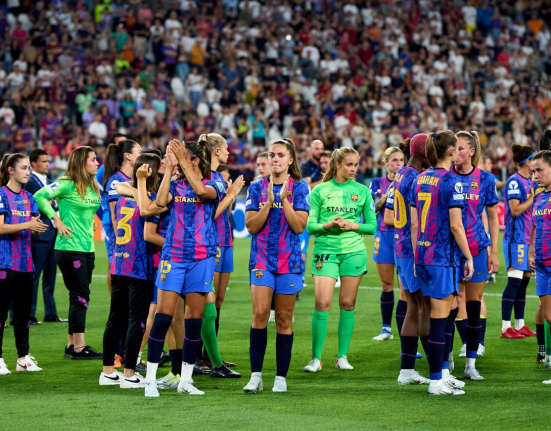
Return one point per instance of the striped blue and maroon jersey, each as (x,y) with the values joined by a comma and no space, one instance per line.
(223,226)
(378,187)
(161,220)
(15,248)
(111,195)
(276,248)
(541,213)
(517,229)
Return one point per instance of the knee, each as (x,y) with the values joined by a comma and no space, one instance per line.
(323,305)
(388,286)
(347,305)
(260,316)
(284,321)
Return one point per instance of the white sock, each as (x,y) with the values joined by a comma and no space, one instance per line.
(139,360)
(445,372)
(505,324)
(435,382)
(470,362)
(257,374)
(280,378)
(187,372)
(151,374)
(519,324)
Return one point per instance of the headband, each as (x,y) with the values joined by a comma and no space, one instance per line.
(528,158)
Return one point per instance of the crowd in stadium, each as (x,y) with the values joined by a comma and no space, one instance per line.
(352,73)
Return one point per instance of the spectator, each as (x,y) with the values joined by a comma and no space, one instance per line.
(311,168)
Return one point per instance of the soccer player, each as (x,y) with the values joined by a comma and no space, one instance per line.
(132,280)
(19,218)
(337,206)
(540,249)
(479,191)
(383,250)
(416,322)
(78,198)
(437,230)
(277,210)
(262,166)
(519,197)
(187,259)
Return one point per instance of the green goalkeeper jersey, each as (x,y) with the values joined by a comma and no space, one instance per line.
(348,200)
(76,213)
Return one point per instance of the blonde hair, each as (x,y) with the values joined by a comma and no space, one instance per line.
(212,140)
(390,151)
(474,142)
(337,157)
(76,171)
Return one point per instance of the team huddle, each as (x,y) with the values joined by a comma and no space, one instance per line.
(170,244)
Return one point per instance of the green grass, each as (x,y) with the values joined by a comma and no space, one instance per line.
(67,395)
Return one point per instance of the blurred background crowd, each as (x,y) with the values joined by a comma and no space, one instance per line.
(356,73)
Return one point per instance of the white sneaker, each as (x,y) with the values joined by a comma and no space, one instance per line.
(136,381)
(112,379)
(412,378)
(4,368)
(188,388)
(471,373)
(343,364)
(547,362)
(463,351)
(151,389)
(547,382)
(313,366)
(255,385)
(443,389)
(280,384)
(271,319)
(481,350)
(453,382)
(384,335)
(166,378)
(27,365)
(338,283)
(304,284)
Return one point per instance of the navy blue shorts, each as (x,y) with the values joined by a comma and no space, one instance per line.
(224,259)
(438,282)
(404,266)
(188,277)
(516,256)
(383,250)
(543,279)
(480,264)
(286,284)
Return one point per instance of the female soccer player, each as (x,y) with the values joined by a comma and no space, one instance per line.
(187,260)
(19,218)
(437,228)
(132,281)
(262,165)
(519,197)
(337,205)
(277,209)
(540,251)
(397,214)
(78,199)
(479,191)
(383,250)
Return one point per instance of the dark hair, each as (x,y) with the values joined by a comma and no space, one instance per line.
(294,169)
(154,162)
(115,136)
(114,157)
(404,146)
(545,156)
(474,142)
(326,153)
(34,155)
(201,152)
(9,161)
(154,151)
(222,168)
(545,141)
(521,153)
(437,145)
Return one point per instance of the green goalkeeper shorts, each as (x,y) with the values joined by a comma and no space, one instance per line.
(344,265)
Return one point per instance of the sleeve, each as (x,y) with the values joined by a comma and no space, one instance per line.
(4,204)
(491,191)
(99,177)
(411,197)
(301,201)
(216,185)
(374,186)
(512,190)
(251,203)
(34,206)
(112,194)
(389,204)
(154,219)
(370,219)
(453,193)
(172,191)
(52,191)
(313,226)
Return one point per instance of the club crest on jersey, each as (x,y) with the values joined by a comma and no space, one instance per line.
(217,262)
(319,266)
(520,261)
(354,198)
(25,202)
(3,275)
(474,185)
(77,264)
(259,274)
(163,277)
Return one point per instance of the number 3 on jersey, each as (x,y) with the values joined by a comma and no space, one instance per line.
(124,226)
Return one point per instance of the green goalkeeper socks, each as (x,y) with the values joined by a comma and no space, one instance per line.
(208,334)
(346,327)
(319,331)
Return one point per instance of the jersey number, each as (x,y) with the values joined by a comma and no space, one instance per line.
(123,224)
(400,214)
(321,258)
(427,198)
(165,267)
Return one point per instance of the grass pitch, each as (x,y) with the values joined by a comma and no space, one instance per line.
(67,395)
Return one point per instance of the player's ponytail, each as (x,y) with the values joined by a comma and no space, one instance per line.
(115,156)
(336,158)
(404,147)
(522,153)
(474,142)
(153,181)
(9,161)
(294,168)
(212,141)
(200,151)
(437,145)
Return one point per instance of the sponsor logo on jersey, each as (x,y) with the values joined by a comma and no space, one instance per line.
(20,213)
(424,243)
(354,198)
(513,185)
(458,187)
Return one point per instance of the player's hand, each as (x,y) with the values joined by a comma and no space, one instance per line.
(283,192)
(336,222)
(234,187)
(171,161)
(346,225)
(414,271)
(63,230)
(37,226)
(95,226)
(271,197)
(493,263)
(179,150)
(143,172)
(532,263)
(469,270)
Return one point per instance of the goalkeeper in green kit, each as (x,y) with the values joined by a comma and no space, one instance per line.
(336,209)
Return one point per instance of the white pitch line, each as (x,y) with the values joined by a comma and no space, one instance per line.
(361,287)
